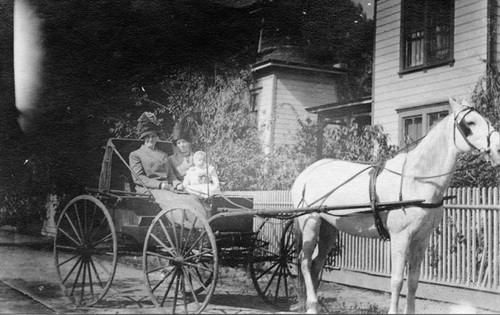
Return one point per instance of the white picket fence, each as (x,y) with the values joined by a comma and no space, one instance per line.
(463,252)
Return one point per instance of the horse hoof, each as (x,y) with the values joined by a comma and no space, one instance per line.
(312,308)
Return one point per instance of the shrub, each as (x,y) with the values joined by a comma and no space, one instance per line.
(19,209)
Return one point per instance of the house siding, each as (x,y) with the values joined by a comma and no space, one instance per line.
(266,109)
(496,48)
(392,91)
(294,93)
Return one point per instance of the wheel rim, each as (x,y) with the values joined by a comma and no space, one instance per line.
(85,250)
(180,261)
(274,274)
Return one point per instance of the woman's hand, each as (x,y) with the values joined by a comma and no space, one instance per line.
(179,187)
(165,186)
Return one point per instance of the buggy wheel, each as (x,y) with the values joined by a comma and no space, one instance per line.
(85,250)
(274,274)
(180,263)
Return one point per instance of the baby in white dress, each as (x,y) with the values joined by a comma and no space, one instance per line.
(200,179)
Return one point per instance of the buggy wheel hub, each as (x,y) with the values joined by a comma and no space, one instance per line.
(177,261)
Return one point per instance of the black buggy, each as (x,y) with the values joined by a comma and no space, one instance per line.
(181,248)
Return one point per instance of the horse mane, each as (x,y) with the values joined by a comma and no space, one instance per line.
(434,155)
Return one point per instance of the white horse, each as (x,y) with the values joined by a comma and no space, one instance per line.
(421,174)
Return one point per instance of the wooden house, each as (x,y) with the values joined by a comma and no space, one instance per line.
(425,52)
(283,89)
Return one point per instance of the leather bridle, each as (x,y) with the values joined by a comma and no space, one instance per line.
(465,131)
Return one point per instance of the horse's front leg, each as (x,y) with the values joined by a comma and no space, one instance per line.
(399,251)
(310,231)
(415,256)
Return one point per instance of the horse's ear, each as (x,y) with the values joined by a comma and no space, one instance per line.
(455,106)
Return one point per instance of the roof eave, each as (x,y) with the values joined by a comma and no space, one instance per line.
(295,66)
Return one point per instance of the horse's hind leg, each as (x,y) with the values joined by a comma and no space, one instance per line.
(326,241)
(309,225)
(415,256)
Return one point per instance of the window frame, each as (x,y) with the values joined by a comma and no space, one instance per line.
(424,111)
(255,99)
(427,34)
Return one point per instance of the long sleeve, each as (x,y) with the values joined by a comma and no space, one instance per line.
(172,178)
(142,178)
(187,178)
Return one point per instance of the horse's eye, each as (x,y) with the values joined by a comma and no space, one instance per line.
(470,123)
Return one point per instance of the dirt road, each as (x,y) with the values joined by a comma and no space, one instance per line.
(28,269)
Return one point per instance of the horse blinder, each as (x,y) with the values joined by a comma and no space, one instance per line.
(465,130)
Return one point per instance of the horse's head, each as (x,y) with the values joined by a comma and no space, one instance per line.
(473,131)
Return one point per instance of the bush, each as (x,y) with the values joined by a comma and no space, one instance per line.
(20,210)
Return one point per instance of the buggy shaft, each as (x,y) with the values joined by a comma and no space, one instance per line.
(383,206)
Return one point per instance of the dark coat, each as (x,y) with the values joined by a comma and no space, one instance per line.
(152,167)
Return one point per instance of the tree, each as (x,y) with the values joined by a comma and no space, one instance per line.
(217,108)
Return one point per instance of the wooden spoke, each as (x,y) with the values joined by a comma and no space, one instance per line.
(167,235)
(74,229)
(77,277)
(191,232)
(172,223)
(69,237)
(196,277)
(91,283)
(96,273)
(164,278)
(84,264)
(72,269)
(169,287)
(67,260)
(103,239)
(164,247)
(160,255)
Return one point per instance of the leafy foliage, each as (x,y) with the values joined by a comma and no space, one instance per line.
(17,209)
(218,109)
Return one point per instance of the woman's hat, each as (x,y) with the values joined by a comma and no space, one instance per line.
(181,131)
(148,124)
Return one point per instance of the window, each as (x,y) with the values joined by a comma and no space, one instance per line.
(255,95)
(255,100)
(412,128)
(426,34)
(434,118)
(416,122)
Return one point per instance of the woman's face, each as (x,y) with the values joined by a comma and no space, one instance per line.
(150,140)
(183,146)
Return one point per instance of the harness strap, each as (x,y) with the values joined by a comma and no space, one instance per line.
(381,229)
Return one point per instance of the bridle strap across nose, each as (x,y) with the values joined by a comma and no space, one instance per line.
(465,131)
